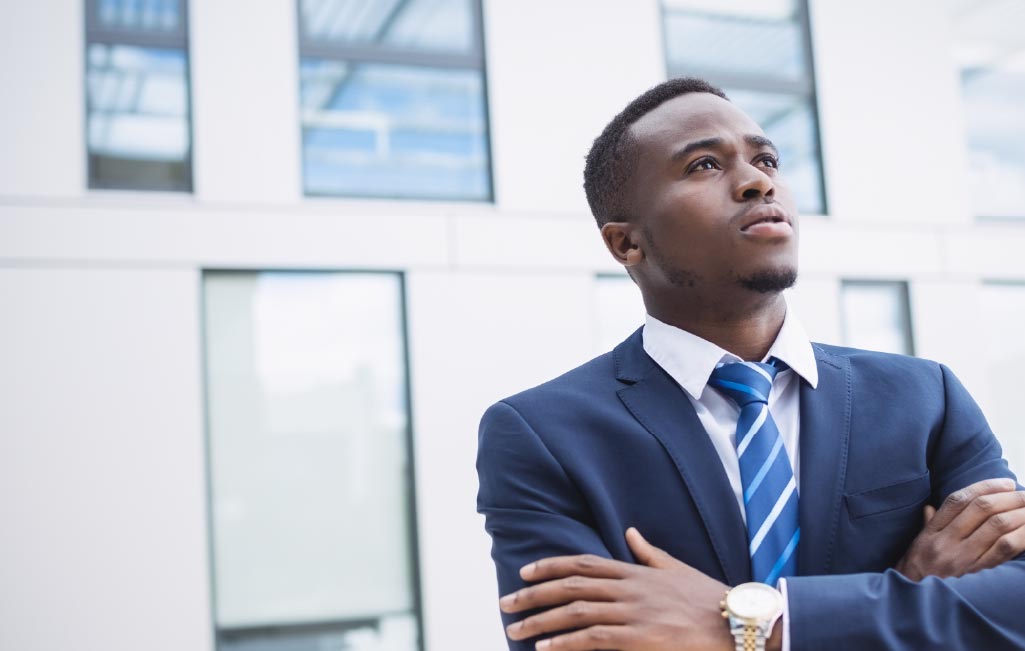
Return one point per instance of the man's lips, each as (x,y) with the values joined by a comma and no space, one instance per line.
(766,215)
(767,221)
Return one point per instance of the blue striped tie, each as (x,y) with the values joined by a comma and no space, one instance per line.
(770,491)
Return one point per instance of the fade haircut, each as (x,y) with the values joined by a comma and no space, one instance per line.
(613,156)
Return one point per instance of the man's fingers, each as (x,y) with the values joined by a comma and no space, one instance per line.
(928,512)
(579,614)
(647,553)
(985,508)
(957,501)
(559,592)
(1002,537)
(558,567)
(590,639)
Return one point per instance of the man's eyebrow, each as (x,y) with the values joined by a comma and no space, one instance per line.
(704,143)
(715,142)
(761,141)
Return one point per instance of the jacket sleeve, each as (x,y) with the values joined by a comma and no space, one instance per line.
(886,611)
(531,507)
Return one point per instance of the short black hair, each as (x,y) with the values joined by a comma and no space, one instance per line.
(611,160)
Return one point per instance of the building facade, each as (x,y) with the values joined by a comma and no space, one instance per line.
(263,265)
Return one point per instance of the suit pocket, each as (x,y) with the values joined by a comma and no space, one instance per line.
(889,498)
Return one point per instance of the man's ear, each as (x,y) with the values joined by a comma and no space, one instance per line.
(623,240)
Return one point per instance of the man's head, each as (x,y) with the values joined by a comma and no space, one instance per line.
(687,192)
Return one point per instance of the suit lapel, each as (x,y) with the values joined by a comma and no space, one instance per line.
(825,431)
(664,410)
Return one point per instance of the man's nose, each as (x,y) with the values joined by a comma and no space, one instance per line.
(753,184)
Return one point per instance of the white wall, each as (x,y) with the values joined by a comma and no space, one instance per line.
(101,459)
(102,480)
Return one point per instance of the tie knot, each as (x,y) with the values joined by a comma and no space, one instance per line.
(746,382)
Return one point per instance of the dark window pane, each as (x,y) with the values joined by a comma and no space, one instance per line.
(425,25)
(381,130)
(789,121)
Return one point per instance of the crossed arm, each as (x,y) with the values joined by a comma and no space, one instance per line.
(664,605)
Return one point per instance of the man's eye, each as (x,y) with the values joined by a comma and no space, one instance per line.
(703,164)
(770,161)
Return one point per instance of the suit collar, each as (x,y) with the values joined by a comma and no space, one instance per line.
(656,401)
(825,433)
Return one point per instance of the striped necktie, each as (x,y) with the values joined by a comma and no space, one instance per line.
(770,490)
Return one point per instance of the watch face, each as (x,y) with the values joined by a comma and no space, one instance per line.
(755,601)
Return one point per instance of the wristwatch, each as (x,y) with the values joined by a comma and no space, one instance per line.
(752,610)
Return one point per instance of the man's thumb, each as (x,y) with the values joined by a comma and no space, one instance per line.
(647,553)
(928,512)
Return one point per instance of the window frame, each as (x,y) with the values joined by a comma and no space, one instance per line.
(349,53)
(98,34)
(276,629)
(807,89)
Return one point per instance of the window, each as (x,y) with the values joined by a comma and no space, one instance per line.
(1003,311)
(877,315)
(990,53)
(137,97)
(393,99)
(759,53)
(310,462)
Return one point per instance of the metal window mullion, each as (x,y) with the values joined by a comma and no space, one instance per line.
(137,39)
(374,54)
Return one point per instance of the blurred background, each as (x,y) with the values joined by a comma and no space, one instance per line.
(264,264)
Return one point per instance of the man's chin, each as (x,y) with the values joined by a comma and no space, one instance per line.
(770,281)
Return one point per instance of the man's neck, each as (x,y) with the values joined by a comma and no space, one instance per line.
(747,333)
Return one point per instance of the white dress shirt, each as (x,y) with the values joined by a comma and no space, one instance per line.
(690,360)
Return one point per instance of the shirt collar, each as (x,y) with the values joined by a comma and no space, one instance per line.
(690,360)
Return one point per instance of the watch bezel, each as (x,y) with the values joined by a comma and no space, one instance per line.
(733,597)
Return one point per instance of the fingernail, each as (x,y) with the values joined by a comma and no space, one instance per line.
(528,570)
(542,644)
(507,600)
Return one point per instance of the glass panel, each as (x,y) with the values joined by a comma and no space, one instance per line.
(138,124)
(876,316)
(159,16)
(427,25)
(380,130)
(789,121)
(754,38)
(310,470)
(620,310)
(1003,309)
(990,50)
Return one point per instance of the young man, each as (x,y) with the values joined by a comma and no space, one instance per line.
(745,454)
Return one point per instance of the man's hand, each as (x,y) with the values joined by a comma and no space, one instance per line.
(977,527)
(662,605)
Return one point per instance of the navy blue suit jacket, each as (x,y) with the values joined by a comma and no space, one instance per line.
(566,467)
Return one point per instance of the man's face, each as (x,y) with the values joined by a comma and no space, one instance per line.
(709,201)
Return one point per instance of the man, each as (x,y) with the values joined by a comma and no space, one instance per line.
(746,455)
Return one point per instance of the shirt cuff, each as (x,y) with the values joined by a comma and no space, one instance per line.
(782,587)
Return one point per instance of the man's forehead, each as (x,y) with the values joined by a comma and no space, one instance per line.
(693,116)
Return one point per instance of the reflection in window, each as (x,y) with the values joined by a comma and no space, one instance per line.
(137,127)
(393,99)
(1003,313)
(990,52)
(877,316)
(310,470)
(759,53)
(619,310)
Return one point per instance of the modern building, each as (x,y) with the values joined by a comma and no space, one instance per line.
(263,265)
